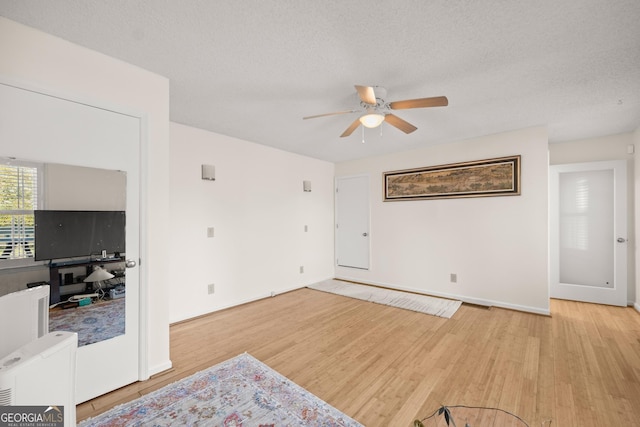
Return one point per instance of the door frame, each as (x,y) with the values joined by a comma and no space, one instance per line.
(336,207)
(142,148)
(611,296)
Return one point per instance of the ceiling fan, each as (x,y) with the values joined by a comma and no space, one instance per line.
(376,110)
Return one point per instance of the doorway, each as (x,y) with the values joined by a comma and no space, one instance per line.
(588,232)
(48,128)
(352,222)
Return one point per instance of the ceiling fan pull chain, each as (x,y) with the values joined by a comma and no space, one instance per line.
(363,134)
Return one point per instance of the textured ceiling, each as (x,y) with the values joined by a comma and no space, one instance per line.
(253,69)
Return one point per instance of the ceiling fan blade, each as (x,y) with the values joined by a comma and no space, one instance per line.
(329,114)
(396,121)
(437,101)
(351,128)
(366,94)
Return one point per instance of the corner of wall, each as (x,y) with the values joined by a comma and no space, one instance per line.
(636,180)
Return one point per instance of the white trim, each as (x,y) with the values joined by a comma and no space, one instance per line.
(557,289)
(470,300)
(336,254)
(143,307)
(239,302)
(637,307)
(159,368)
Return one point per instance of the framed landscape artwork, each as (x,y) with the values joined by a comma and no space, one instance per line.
(480,178)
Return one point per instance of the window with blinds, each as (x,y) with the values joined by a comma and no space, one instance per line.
(18,199)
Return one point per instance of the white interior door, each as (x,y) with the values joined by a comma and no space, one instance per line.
(47,128)
(588,222)
(352,222)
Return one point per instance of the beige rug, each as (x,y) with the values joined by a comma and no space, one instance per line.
(440,307)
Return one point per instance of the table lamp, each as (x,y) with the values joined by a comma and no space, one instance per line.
(97,276)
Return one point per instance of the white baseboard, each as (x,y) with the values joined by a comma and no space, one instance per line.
(463,298)
(637,307)
(160,368)
(236,303)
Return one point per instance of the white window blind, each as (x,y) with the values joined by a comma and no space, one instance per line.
(18,199)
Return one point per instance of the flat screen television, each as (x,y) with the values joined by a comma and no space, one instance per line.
(69,234)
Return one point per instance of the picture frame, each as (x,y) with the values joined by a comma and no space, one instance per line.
(481,178)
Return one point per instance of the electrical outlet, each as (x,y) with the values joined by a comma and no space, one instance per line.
(301,269)
(454,278)
(306,228)
(211,288)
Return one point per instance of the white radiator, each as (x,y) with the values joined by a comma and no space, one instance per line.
(42,373)
(24,316)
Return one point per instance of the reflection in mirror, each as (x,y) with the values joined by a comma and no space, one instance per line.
(75,223)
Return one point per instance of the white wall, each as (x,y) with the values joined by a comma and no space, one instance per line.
(53,64)
(80,188)
(258,211)
(613,147)
(497,246)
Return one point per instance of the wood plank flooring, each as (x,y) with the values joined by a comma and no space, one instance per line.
(385,366)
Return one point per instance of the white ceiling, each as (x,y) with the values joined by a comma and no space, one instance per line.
(253,69)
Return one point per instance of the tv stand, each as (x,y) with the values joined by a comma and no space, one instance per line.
(56,266)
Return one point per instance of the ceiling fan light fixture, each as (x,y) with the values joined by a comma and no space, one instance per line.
(372,120)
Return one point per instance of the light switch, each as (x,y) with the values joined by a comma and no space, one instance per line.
(209,231)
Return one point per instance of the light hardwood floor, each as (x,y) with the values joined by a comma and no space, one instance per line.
(385,366)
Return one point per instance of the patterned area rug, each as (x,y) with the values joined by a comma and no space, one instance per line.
(95,322)
(440,307)
(239,392)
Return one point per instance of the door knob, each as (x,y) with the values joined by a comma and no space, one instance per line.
(130,263)
(621,240)
(365,234)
